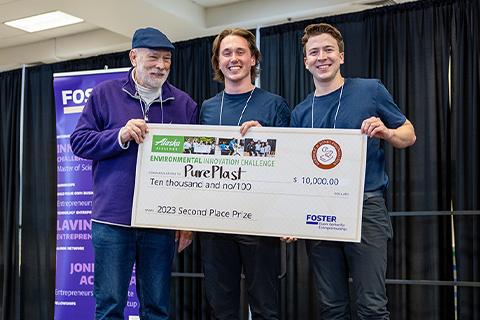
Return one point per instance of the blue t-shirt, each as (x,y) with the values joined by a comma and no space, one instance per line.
(361,99)
(269,109)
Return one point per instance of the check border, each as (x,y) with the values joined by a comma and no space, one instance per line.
(268,226)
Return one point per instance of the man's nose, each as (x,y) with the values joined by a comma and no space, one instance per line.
(160,64)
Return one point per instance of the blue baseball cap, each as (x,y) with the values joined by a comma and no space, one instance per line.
(152,39)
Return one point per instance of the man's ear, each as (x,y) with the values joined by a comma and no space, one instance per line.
(133,57)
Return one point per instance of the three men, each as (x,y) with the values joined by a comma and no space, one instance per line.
(109,123)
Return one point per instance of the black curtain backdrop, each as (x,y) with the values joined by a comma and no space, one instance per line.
(465,155)
(192,71)
(410,47)
(10,100)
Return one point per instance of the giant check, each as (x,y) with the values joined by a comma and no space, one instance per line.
(303,183)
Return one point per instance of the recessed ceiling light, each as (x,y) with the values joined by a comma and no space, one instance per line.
(44,21)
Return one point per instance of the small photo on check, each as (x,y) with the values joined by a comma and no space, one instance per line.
(230,146)
(260,147)
(199,145)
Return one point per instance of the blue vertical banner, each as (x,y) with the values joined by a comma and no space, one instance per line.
(75,257)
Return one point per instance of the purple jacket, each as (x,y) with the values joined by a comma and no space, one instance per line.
(110,106)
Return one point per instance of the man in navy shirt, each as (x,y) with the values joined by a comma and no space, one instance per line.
(363,104)
(235,60)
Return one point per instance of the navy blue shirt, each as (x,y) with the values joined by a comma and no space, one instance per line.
(269,109)
(360,100)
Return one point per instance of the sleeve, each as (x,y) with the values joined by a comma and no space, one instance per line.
(293,120)
(282,117)
(89,140)
(205,114)
(387,110)
(201,116)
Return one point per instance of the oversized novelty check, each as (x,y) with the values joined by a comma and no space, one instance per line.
(302,183)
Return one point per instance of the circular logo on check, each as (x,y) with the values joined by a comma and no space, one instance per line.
(326,154)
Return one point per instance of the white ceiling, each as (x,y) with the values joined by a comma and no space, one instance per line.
(110,24)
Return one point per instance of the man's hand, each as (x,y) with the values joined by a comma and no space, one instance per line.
(246,125)
(402,137)
(374,128)
(288,239)
(185,238)
(135,129)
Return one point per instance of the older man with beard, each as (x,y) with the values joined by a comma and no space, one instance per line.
(112,125)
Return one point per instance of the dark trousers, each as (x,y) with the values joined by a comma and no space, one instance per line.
(365,261)
(223,256)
